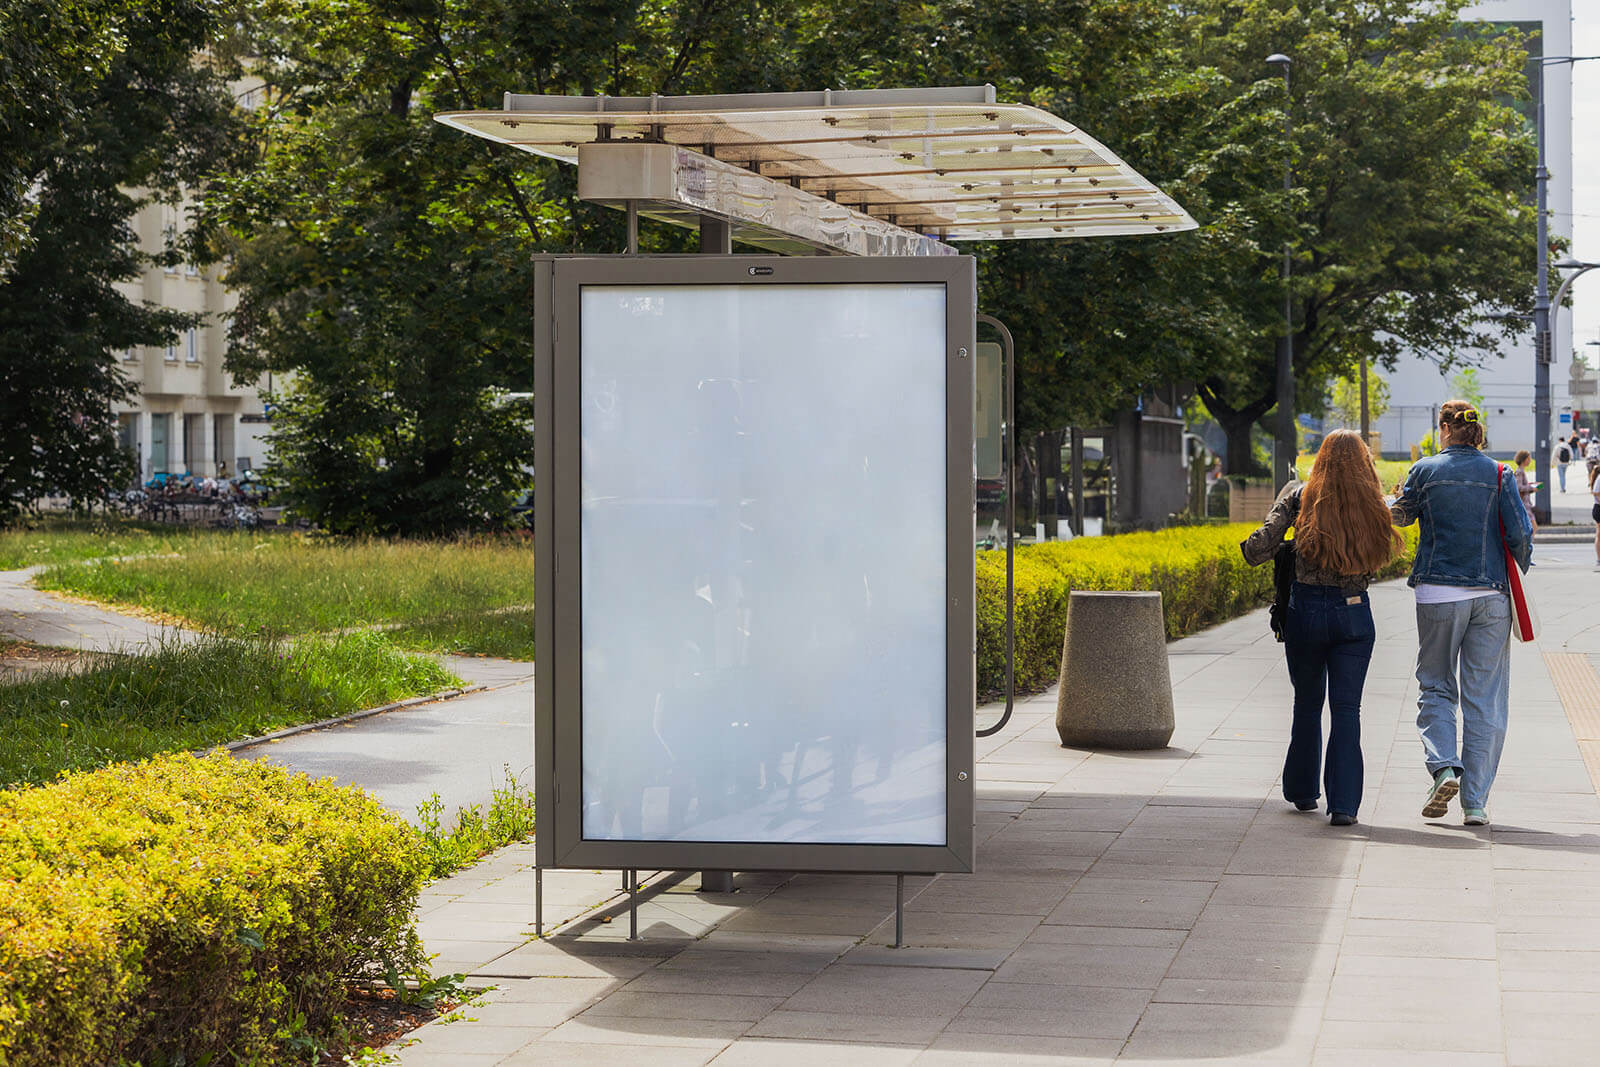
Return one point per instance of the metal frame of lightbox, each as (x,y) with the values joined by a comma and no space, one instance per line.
(558,586)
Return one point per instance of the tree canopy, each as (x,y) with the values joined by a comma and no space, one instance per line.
(124,114)
(1408,217)
(381,261)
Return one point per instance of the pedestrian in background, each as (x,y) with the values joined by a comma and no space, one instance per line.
(1342,537)
(1467,503)
(1525,487)
(1594,513)
(1563,457)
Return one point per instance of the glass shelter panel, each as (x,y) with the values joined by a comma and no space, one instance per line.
(763,554)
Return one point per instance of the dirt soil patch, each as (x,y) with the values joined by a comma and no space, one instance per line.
(375,1018)
(20,660)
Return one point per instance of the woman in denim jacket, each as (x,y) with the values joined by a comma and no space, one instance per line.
(1342,538)
(1464,500)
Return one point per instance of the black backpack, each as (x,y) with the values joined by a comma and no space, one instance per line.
(1282,579)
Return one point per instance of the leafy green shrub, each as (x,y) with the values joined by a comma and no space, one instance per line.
(1199,571)
(189,910)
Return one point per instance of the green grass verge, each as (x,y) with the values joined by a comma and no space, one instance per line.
(448,595)
(62,540)
(215,690)
(506,633)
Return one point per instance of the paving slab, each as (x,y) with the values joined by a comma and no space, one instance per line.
(1137,908)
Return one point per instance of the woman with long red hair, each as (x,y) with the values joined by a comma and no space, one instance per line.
(1342,538)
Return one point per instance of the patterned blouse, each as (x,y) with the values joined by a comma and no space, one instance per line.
(1264,542)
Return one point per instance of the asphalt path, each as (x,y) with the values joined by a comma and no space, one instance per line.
(460,749)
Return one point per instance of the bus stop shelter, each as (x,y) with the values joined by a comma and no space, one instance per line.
(755,473)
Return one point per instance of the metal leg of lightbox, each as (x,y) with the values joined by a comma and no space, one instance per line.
(538,901)
(716,881)
(633,905)
(899,911)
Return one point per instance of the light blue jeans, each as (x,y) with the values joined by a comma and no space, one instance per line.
(1469,641)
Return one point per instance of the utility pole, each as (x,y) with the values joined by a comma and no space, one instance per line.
(1365,422)
(1543,341)
(1285,447)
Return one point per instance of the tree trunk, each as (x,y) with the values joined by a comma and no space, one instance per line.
(1237,423)
(1241,458)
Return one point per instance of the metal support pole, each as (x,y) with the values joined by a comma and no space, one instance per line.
(633,228)
(716,236)
(716,881)
(1077,482)
(538,901)
(1541,325)
(633,905)
(1366,423)
(899,911)
(1285,448)
(716,239)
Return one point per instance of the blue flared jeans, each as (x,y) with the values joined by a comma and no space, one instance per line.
(1464,658)
(1327,639)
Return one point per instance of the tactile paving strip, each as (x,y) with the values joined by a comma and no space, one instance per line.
(1579,688)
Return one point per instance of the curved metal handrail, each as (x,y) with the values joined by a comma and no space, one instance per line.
(1011,516)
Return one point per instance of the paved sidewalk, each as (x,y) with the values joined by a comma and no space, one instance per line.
(459,748)
(1136,908)
(30,614)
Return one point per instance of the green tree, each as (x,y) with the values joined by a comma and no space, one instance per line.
(1407,215)
(1345,402)
(382,260)
(140,120)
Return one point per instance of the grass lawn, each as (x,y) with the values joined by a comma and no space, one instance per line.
(1390,471)
(63,540)
(471,596)
(212,691)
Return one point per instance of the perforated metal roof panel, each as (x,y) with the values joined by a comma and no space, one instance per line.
(948,163)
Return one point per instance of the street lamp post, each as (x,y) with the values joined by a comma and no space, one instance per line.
(1285,446)
(1578,269)
(1543,341)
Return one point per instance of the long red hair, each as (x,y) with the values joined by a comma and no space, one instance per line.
(1344,525)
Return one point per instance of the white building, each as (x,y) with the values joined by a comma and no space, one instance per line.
(1418,386)
(187,415)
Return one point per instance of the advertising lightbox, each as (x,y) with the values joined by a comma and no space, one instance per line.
(754,521)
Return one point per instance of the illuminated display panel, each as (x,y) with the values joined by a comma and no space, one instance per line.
(763,521)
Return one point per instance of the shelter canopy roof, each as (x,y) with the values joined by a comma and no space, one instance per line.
(950,163)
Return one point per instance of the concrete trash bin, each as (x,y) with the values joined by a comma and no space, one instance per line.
(1116,688)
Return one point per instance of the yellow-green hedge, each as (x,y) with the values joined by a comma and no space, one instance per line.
(1198,569)
(187,910)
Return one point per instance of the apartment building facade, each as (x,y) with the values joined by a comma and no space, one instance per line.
(187,416)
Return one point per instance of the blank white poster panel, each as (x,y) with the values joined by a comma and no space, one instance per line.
(763,571)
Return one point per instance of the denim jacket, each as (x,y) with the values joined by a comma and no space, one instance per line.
(1462,497)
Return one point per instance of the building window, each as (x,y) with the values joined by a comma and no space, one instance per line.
(171,353)
(169,232)
(194,345)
